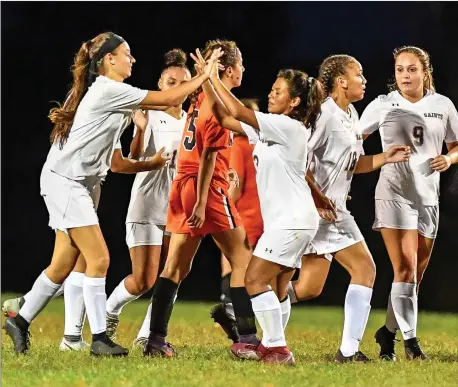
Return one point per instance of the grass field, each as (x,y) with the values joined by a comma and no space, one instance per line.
(204,359)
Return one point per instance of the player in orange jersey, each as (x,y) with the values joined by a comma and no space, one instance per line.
(245,196)
(199,204)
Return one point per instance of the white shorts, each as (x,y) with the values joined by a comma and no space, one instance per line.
(144,234)
(405,216)
(70,203)
(332,237)
(285,247)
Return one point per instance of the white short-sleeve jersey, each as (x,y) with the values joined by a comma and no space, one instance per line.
(150,192)
(424,126)
(280,158)
(336,146)
(102,115)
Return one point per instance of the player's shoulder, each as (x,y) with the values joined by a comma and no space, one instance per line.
(440,99)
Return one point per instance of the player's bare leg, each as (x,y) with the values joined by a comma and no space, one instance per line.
(47,284)
(268,310)
(182,250)
(234,245)
(145,267)
(402,313)
(358,262)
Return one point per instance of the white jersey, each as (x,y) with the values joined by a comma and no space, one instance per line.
(280,158)
(336,146)
(102,115)
(423,126)
(150,192)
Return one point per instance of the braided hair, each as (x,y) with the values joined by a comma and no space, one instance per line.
(332,67)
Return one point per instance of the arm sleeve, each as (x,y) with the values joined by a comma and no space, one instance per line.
(321,133)
(370,119)
(451,129)
(119,96)
(118,145)
(252,133)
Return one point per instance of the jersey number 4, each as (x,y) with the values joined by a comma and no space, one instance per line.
(418,135)
(351,164)
(189,141)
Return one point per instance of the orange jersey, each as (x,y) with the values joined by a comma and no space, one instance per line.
(203,131)
(248,204)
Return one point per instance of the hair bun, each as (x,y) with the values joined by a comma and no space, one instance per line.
(175,58)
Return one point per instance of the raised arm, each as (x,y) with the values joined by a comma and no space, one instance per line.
(177,95)
(137,145)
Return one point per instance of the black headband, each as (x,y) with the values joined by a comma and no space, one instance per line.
(111,44)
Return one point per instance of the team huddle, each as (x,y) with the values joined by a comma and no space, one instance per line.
(270,188)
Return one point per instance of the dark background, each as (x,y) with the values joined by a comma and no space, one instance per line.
(39,40)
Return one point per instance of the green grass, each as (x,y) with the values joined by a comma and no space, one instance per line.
(203,358)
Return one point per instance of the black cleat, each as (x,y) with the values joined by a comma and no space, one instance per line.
(358,357)
(154,348)
(20,337)
(386,339)
(413,350)
(106,347)
(220,316)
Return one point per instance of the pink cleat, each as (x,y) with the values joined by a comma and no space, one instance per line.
(276,355)
(245,351)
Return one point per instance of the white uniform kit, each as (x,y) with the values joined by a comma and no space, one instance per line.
(147,214)
(287,208)
(70,190)
(335,147)
(407,194)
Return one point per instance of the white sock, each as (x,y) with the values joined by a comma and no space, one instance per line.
(405,307)
(95,300)
(267,309)
(59,292)
(285,306)
(119,298)
(75,311)
(291,293)
(357,308)
(41,293)
(390,321)
(144,330)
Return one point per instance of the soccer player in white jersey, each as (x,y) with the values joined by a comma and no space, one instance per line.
(280,156)
(337,153)
(407,194)
(86,130)
(147,213)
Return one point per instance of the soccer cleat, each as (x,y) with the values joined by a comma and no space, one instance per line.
(277,355)
(413,350)
(358,357)
(220,316)
(12,306)
(112,325)
(154,348)
(107,347)
(66,345)
(386,340)
(20,338)
(246,351)
(140,342)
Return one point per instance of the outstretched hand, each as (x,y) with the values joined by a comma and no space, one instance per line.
(209,67)
(397,154)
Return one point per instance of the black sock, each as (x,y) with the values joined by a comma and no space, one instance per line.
(99,336)
(73,338)
(226,288)
(21,323)
(244,315)
(162,305)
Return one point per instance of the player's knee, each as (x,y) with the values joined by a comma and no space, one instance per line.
(406,270)
(98,266)
(306,291)
(176,273)
(251,280)
(364,273)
